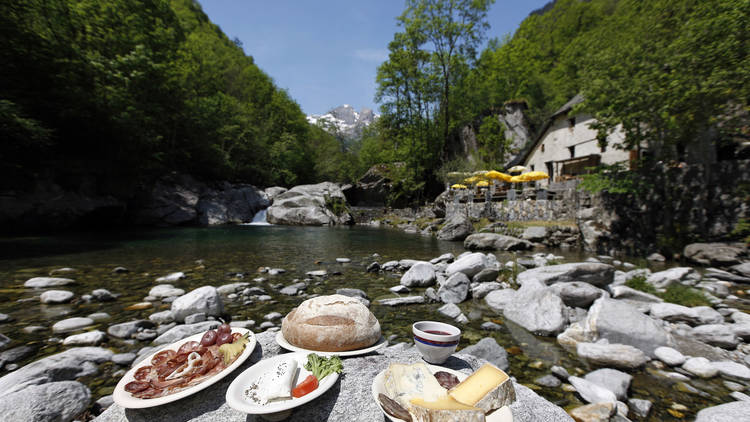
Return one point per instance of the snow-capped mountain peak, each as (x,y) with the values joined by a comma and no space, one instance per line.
(344,120)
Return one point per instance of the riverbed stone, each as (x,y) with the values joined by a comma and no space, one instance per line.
(446,257)
(619,322)
(56,296)
(716,335)
(496,242)
(727,412)
(741,330)
(17,353)
(203,299)
(195,318)
(450,310)
(398,301)
(669,356)
(455,289)
(128,329)
(179,332)
(577,294)
(470,264)
(732,370)
(171,277)
(537,309)
(591,392)
(487,274)
(725,275)
(497,300)
(595,412)
(488,349)
(549,381)
(91,338)
(625,292)
(45,282)
(123,359)
(741,269)
(700,366)
(72,324)
(165,290)
(53,402)
(481,290)
(597,274)
(694,316)
(68,365)
(421,274)
(163,317)
(664,279)
(613,380)
(614,355)
(715,254)
(457,227)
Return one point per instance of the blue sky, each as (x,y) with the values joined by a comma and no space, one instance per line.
(326,53)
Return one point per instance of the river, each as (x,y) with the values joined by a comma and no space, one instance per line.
(222,255)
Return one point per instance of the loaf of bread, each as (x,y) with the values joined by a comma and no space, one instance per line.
(334,323)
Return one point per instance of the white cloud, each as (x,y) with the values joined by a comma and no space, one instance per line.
(378,55)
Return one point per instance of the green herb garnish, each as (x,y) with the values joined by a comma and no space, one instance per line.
(321,366)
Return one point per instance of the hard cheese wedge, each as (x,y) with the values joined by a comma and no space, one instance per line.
(488,388)
(404,382)
(444,410)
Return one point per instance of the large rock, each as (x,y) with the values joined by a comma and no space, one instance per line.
(715,254)
(469,264)
(597,274)
(310,205)
(727,412)
(496,242)
(165,290)
(45,282)
(701,367)
(203,299)
(731,369)
(614,355)
(536,308)
(595,412)
(613,380)
(716,335)
(455,289)
(670,356)
(627,293)
(349,400)
(64,366)
(90,338)
(534,234)
(456,227)
(71,324)
(742,269)
(421,274)
(497,300)
(621,323)
(666,278)
(694,316)
(577,294)
(488,349)
(592,392)
(54,402)
(56,296)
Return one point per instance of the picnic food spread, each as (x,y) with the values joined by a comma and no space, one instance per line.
(334,323)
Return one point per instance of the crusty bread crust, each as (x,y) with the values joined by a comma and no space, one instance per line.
(334,323)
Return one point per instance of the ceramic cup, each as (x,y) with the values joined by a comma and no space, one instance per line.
(436,341)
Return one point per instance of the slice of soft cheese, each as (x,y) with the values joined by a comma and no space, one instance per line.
(444,410)
(277,383)
(404,382)
(488,388)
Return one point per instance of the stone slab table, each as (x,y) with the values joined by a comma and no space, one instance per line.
(349,400)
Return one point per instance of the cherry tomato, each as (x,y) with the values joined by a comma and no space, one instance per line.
(224,338)
(209,339)
(309,384)
(224,328)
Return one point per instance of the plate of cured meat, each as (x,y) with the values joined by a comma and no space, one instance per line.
(184,367)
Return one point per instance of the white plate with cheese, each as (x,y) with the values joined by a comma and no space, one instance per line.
(281,341)
(502,414)
(262,381)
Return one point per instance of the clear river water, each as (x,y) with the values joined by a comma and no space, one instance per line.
(222,255)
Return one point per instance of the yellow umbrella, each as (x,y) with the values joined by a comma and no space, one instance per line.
(458,186)
(516,179)
(516,169)
(493,174)
(534,175)
(483,183)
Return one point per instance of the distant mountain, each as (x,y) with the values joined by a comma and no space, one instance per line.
(344,121)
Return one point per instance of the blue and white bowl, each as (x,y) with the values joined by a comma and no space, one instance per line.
(435,348)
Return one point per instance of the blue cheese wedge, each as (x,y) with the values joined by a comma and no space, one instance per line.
(277,383)
(405,382)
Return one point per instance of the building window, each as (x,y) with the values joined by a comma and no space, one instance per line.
(572,151)
(542,147)
(603,148)
(532,167)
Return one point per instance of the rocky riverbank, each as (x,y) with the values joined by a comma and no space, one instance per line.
(566,330)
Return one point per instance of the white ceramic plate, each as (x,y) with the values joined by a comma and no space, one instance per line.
(237,400)
(502,414)
(126,400)
(288,346)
